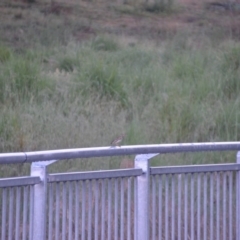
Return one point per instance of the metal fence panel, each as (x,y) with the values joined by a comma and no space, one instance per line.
(205,204)
(91,208)
(179,202)
(16,212)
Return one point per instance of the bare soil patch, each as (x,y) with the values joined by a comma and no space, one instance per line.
(22,22)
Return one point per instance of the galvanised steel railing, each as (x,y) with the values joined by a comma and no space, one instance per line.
(194,202)
(17,207)
(92,205)
(184,202)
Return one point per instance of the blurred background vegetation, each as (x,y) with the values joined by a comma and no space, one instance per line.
(76,74)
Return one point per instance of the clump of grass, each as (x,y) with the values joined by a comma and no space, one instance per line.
(230,69)
(68,64)
(103,43)
(5,53)
(136,58)
(231,58)
(21,80)
(159,6)
(104,82)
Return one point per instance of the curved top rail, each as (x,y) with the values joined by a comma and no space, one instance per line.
(28,157)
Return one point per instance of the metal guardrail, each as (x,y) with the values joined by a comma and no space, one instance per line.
(88,206)
(196,205)
(20,181)
(141,203)
(195,168)
(63,177)
(29,157)
(17,207)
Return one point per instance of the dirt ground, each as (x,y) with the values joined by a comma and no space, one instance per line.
(22,21)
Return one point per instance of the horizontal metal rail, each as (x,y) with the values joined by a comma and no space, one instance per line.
(195,168)
(24,157)
(60,177)
(19,181)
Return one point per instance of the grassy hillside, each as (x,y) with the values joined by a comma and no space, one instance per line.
(66,94)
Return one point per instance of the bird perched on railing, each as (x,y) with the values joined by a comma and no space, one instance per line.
(117,141)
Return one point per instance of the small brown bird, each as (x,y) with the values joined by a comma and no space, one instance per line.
(117,141)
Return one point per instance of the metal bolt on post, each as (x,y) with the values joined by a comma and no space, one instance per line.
(142,215)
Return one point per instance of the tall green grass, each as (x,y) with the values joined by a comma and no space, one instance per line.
(82,95)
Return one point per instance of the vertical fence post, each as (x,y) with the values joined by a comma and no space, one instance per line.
(142,215)
(39,201)
(238,200)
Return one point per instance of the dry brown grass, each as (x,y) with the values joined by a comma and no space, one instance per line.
(61,21)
